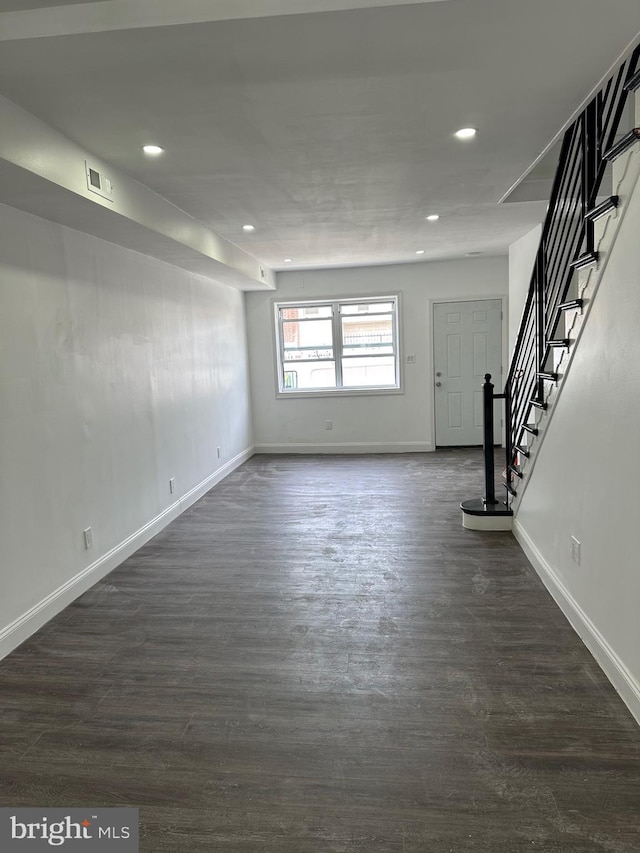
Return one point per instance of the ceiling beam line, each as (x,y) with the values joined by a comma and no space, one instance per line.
(110,15)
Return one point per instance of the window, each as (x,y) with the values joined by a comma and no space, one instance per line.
(343,345)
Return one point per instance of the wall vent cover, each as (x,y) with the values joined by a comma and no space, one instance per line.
(98,183)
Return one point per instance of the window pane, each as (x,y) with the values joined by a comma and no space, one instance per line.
(307,339)
(368,372)
(306,376)
(303,311)
(310,344)
(362,335)
(367,308)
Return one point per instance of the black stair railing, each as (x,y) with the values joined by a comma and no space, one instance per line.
(567,244)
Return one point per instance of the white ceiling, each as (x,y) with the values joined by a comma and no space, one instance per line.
(331,130)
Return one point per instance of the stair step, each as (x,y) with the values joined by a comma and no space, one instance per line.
(559,342)
(516,471)
(586,260)
(552,377)
(539,404)
(522,451)
(633,83)
(531,430)
(510,489)
(607,206)
(572,303)
(620,147)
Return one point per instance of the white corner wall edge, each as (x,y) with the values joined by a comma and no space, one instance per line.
(615,670)
(350,447)
(22,628)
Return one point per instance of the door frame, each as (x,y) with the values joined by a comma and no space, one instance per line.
(504,300)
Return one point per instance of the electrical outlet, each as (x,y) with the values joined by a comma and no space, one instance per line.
(218,450)
(172,485)
(411,359)
(88,538)
(328,424)
(575,550)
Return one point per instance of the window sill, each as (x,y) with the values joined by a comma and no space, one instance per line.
(342,392)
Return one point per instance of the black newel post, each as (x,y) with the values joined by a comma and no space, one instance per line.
(487,513)
(489,477)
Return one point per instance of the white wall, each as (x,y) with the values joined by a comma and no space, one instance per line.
(522,256)
(586,477)
(362,423)
(117,372)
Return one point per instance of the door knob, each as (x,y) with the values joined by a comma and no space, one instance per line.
(438,384)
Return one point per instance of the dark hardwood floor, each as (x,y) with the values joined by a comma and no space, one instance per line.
(318,658)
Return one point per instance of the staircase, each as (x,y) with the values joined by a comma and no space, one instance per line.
(599,166)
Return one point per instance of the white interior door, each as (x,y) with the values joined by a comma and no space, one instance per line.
(467,341)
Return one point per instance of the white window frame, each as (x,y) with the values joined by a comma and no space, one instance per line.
(338,347)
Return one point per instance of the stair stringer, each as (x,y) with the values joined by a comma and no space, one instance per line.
(626,179)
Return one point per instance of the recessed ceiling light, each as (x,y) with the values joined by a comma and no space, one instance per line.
(433,217)
(288,260)
(154,150)
(466,133)
(420,252)
(248,227)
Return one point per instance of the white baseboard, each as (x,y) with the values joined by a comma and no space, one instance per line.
(205,486)
(610,663)
(22,628)
(349,447)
